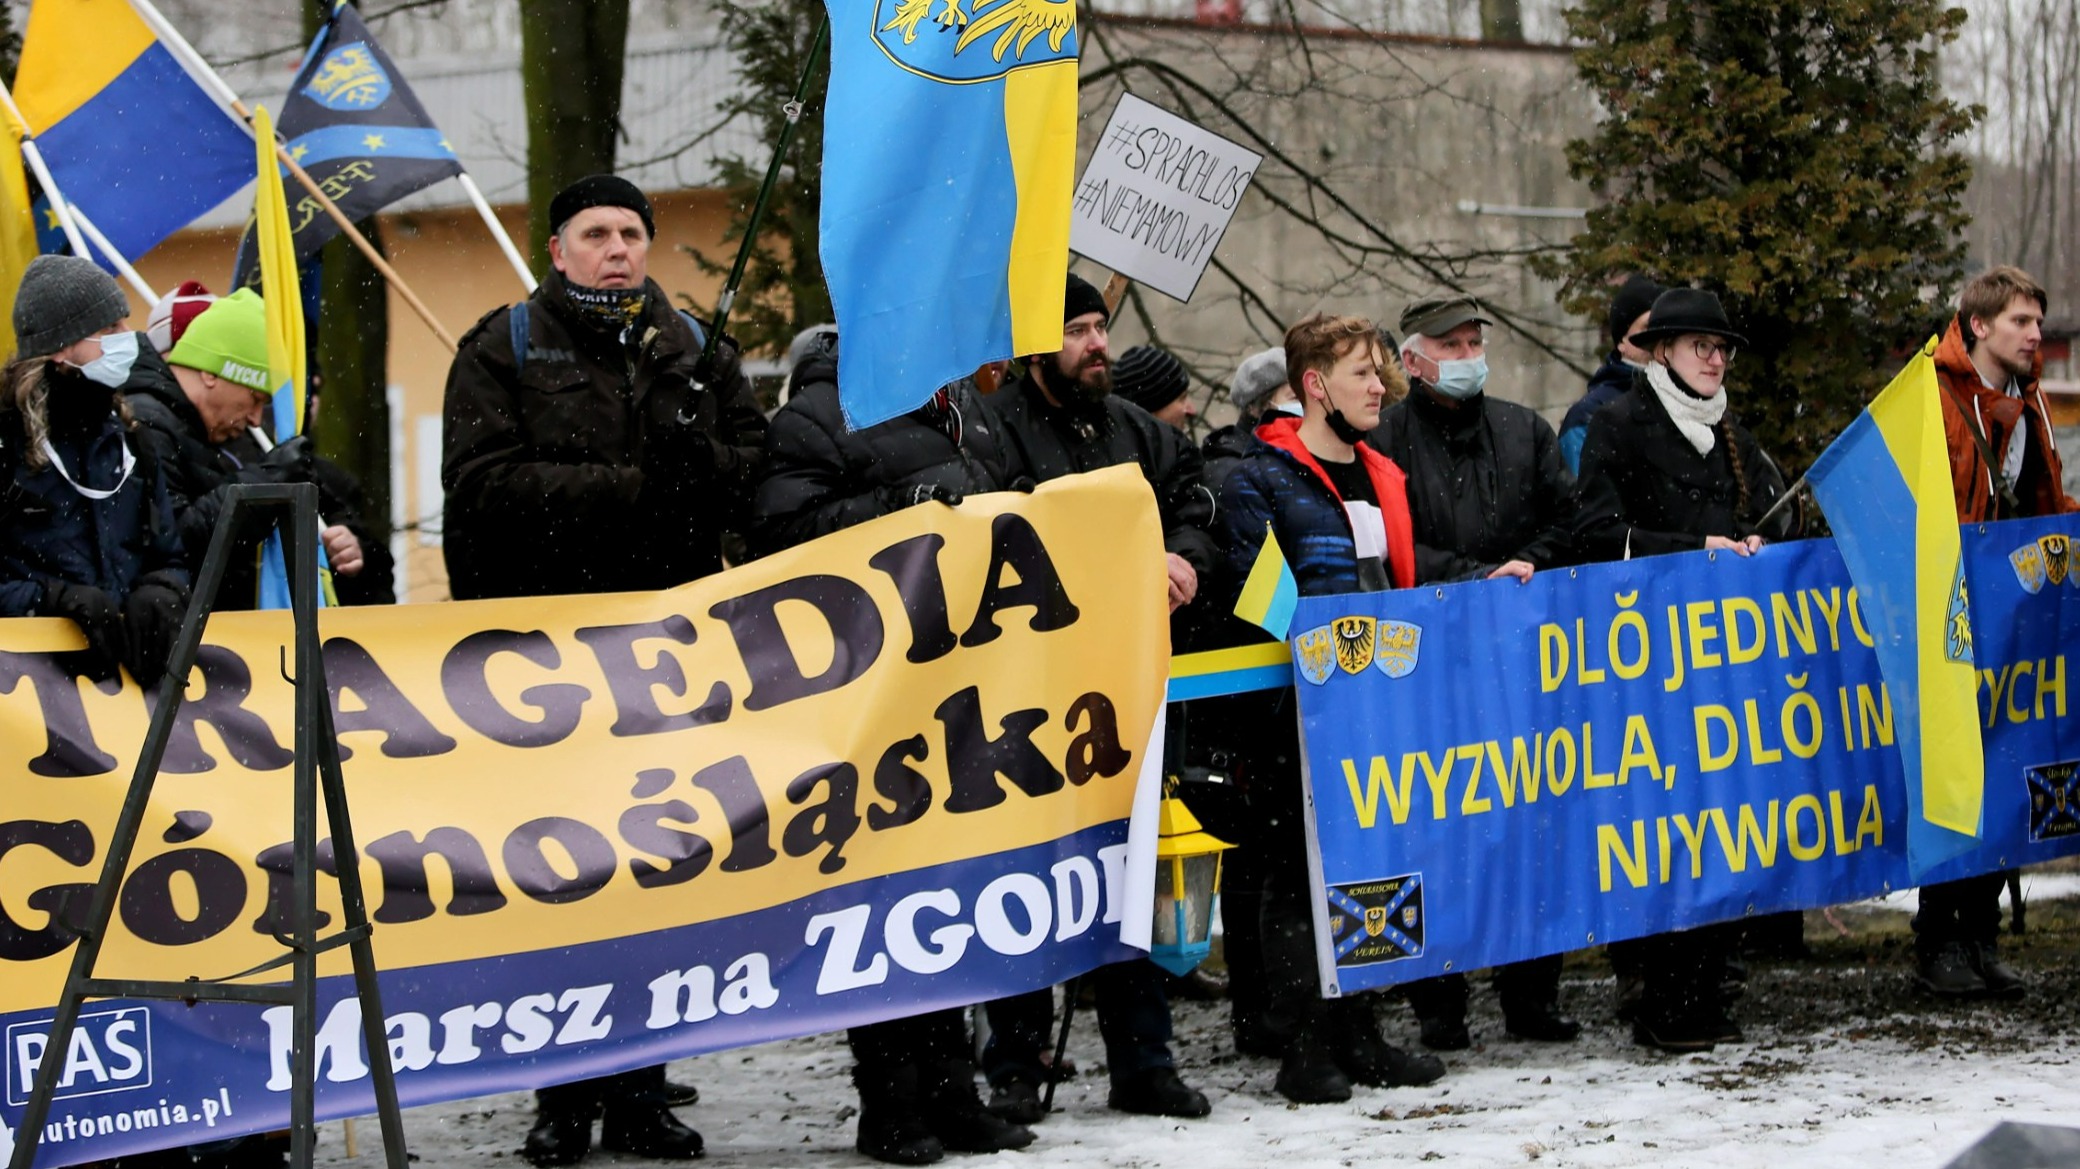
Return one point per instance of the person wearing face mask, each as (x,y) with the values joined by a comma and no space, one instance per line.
(1339,510)
(86,527)
(1628,315)
(1488,498)
(1062,418)
(1257,391)
(1669,468)
(1486,486)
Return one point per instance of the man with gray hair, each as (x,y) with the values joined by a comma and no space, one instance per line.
(1489,498)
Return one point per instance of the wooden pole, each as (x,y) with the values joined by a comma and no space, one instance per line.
(201,71)
(1115,291)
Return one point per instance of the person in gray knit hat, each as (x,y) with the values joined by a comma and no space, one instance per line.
(64,300)
(102,551)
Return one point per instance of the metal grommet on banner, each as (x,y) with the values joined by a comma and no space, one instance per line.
(1571,574)
(2002,862)
(1749,911)
(1712,555)
(1440,594)
(1591,936)
(1447,965)
(1885,886)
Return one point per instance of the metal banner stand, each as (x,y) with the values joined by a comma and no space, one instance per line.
(294,509)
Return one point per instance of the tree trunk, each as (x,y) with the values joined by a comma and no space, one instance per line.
(1502,20)
(353,351)
(571,57)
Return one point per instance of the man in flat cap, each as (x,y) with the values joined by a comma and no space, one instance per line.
(1488,497)
(588,449)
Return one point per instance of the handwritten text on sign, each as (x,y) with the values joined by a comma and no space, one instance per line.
(1157,196)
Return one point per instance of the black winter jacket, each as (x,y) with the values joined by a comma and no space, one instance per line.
(822,478)
(195,467)
(1645,490)
(1610,381)
(1485,485)
(1047,442)
(49,532)
(590,466)
(1222,452)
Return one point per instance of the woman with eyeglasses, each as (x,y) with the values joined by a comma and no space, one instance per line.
(1667,468)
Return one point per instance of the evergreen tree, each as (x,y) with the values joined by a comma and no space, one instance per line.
(1797,160)
(783,290)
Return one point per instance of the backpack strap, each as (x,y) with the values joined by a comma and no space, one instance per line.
(517,325)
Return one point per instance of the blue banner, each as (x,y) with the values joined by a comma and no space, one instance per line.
(1501,770)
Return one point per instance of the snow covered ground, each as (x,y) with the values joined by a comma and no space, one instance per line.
(1845,1065)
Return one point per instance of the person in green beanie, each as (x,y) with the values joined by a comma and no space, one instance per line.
(214,388)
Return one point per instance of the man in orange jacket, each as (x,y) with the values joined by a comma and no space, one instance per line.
(2004,465)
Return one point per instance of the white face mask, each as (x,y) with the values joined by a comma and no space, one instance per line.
(1293,408)
(112,368)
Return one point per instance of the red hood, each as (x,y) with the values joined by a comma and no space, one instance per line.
(1389,483)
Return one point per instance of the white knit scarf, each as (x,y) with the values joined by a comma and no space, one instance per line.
(1694,416)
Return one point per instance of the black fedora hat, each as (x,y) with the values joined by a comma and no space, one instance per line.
(1686,310)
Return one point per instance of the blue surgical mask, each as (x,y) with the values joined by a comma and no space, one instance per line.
(1460,380)
(112,368)
(1293,408)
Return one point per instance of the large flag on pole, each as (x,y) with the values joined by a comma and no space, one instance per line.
(949,160)
(1885,485)
(129,135)
(18,243)
(285,349)
(354,125)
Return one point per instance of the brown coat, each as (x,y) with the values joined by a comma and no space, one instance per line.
(2002,420)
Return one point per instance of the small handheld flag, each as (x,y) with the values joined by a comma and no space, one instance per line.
(1270,593)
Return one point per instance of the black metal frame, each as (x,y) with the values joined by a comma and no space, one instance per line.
(293,511)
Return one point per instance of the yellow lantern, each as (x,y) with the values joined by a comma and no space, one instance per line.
(1188,885)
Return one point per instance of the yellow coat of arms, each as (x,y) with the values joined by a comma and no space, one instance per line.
(1354,642)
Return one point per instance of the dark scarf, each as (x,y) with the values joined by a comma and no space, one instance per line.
(612,309)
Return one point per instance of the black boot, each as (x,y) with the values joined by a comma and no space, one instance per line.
(1444,1033)
(2001,980)
(558,1138)
(1540,1023)
(1948,969)
(956,1115)
(1017,1099)
(1157,1092)
(892,1126)
(1310,1074)
(649,1130)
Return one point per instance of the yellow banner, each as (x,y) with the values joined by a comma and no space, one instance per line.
(936,686)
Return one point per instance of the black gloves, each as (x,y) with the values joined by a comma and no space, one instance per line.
(894,499)
(152,615)
(290,462)
(677,456)
(723,368)
(1024,485)
(96,615)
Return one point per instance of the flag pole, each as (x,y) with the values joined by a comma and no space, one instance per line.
(793,110)
(34,158)
(202,72)
(498,230)
(100,242)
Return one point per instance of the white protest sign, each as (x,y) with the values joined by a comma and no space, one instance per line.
(1156,197)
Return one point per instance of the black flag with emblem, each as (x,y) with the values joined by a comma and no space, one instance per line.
(354,125)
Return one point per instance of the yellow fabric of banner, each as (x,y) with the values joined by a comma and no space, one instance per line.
(941,684)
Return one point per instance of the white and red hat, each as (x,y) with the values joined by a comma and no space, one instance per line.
(169,318)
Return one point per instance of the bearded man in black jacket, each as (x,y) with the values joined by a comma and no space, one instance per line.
(1060,419)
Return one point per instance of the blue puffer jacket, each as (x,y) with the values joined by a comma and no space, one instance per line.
(50,532)
(1606,385)
(1282,485)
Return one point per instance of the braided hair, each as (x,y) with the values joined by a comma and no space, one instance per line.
(1724,432)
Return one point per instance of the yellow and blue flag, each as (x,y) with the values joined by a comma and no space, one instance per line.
(1885,485)
(949,159)
(128,134)
(18,240)
(280,289)
(358,130)
(1270,592)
